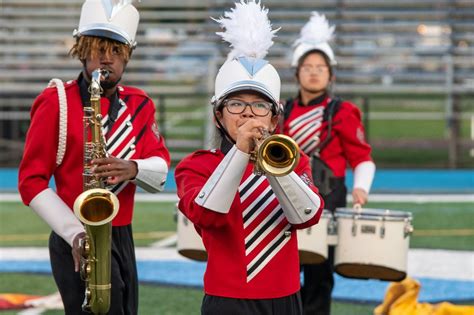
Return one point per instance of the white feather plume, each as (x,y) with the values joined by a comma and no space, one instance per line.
(316,30)
(247,29)
(112,7)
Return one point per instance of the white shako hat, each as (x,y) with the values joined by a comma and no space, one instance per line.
(314,35)
(249,32)
(113,19)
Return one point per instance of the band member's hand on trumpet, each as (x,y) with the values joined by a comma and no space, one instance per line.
(249,134)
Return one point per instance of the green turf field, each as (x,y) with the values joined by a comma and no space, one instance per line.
(437,225)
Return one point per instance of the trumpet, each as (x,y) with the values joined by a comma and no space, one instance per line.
(275,155)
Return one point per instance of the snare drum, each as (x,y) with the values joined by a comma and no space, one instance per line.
(313,241)
(373,244)
(189,242)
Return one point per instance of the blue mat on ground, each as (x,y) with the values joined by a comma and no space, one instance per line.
(385,181)
(182,273)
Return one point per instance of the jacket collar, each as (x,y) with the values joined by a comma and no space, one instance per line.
(315,101)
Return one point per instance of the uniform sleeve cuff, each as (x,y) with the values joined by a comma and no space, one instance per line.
(57,215)
(299,203)
(219,191)
(363,175)
(151,174)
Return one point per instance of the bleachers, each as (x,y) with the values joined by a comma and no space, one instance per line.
(382,47)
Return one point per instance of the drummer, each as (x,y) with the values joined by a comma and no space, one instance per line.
(329,130)
(247,221)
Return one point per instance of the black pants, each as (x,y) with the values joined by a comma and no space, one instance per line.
(318,279)
(216,305)
(124,279)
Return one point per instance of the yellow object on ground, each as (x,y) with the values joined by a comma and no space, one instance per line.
(401,299)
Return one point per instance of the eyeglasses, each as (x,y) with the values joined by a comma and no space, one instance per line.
(258,108)
(318,69)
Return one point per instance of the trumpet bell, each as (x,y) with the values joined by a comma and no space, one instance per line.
(278,155)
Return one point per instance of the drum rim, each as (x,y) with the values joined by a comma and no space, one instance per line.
(374,214)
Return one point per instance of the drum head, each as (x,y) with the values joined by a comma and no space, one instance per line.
(364,271)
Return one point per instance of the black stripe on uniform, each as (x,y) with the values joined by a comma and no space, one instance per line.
(117,136)
(250,184)
(106,125)
(117,186)
(140,134)
(261,202)
(266,254)
(264,228)
(139,108)
(126,152)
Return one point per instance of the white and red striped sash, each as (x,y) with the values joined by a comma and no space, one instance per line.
(266,229)
(120,141)
(306,129)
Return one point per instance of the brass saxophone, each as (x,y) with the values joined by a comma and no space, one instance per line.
(95,208)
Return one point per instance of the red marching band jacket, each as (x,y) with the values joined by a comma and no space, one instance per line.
(134,135)
(252,249)
(305,125)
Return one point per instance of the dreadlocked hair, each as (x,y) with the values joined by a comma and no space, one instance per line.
(91,46)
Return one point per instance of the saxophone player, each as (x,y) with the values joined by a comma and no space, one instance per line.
(137,155)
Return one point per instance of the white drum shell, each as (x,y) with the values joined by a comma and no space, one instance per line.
(189,243)
(313,241)
(384,257)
